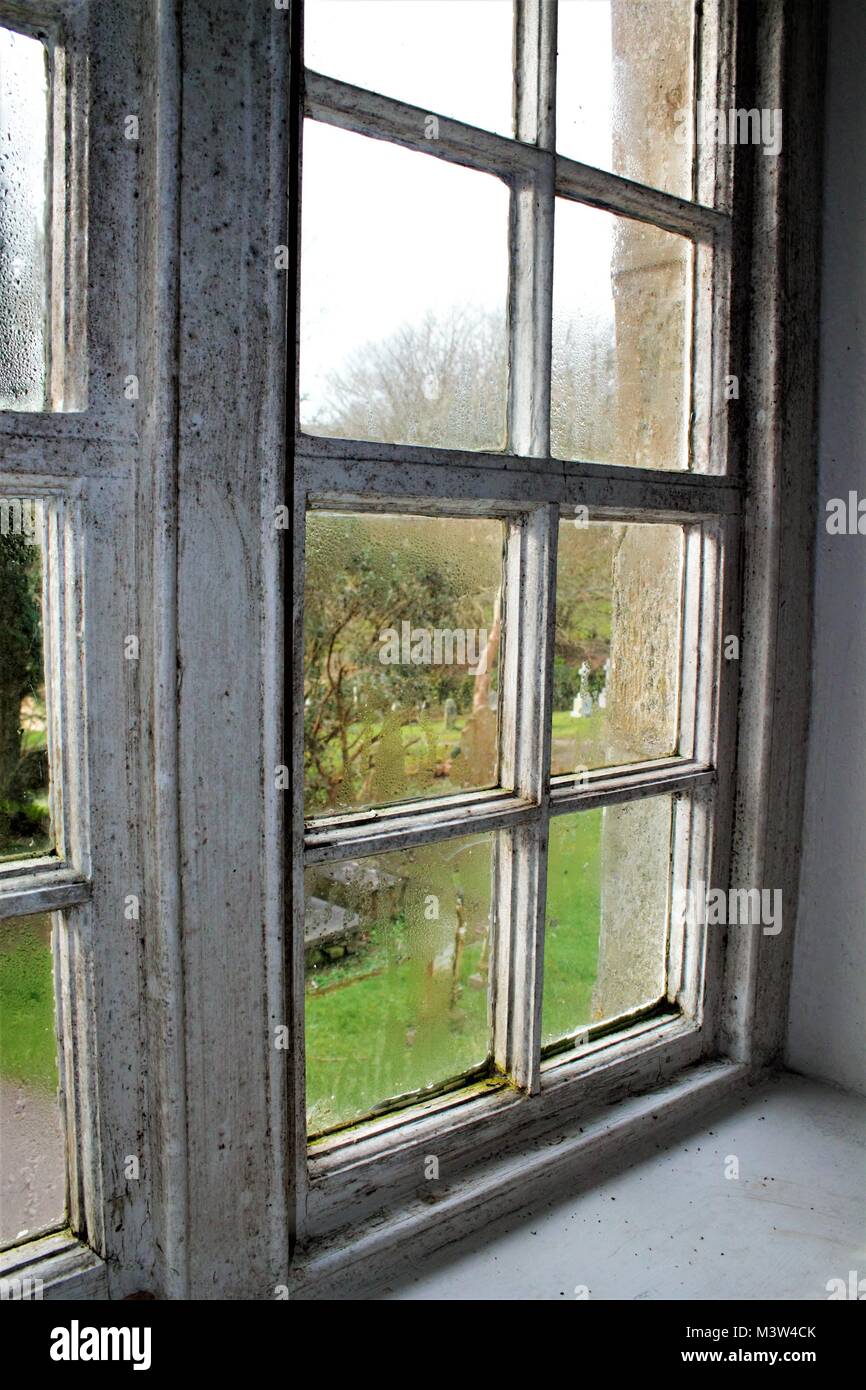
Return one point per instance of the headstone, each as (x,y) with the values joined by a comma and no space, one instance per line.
(585,697)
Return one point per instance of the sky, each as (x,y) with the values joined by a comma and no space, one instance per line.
(23,135)
(389,234)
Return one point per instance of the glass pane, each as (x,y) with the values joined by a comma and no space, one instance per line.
(23,242)
(454,59)
(617,644)
(621,340)
(605,945)
(625,89)
(403,294)
(32,1170)
(397,958)
(401,658)
(25,819)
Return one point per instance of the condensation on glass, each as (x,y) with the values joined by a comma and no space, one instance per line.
(617,644)
(403,621)
(398,950)
(32,1164)
(454,59)
(606,935)
(25,812)
(621,360)
(24,278)
(404,276)
(625,89)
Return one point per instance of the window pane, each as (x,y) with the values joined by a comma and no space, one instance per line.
(625,89)
(397,958)
(617,644)
(403,293)
(605,945)
(32,1172)
(621,340)
(23,240)
(452,59)
(25,820)
(402,627)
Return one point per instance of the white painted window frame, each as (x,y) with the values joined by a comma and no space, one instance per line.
(56,25)
(174,1024)
(530,490)
(79,457)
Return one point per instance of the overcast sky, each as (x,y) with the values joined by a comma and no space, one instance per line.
(389,234)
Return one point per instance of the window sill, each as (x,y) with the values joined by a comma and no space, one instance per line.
(42,886)
(384,1247)
(375,1172)
(53,1268)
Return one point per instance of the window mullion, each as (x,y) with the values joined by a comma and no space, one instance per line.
(531,233)
(530,562)
(521,878)
(338,103)
(583,183)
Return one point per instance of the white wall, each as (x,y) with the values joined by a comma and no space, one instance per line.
(827,1023)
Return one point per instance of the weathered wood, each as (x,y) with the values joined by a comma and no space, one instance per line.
(781,459)
(528,1171)
(526,733)
(65,1268)
(232,300)
(599,189)
(25,893)
(352,108)
(157,575)
(399,830)
(422,485)
(168,769)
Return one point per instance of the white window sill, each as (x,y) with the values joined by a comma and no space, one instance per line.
(53,1267)
(385,1248)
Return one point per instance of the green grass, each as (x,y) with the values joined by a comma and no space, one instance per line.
(565,725)
(358,1049)
(424,746)
(578,742)
(390,1018)
(37,838)
(28,1049)
(379,1024)
(35,807)
(573,916)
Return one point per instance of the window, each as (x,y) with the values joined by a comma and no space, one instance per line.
(42,271)
(518,496)
(43,833)
(42,850)
(24,274)
(519,527)
(32,1177)
(70,645)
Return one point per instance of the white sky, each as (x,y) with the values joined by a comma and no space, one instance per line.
(389,234)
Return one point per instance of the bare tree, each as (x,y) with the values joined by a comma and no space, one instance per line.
(438,381)
(441,382)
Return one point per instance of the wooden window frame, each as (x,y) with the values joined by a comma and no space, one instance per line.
(178,494)
(79,457)
(530,490)
(57,25)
